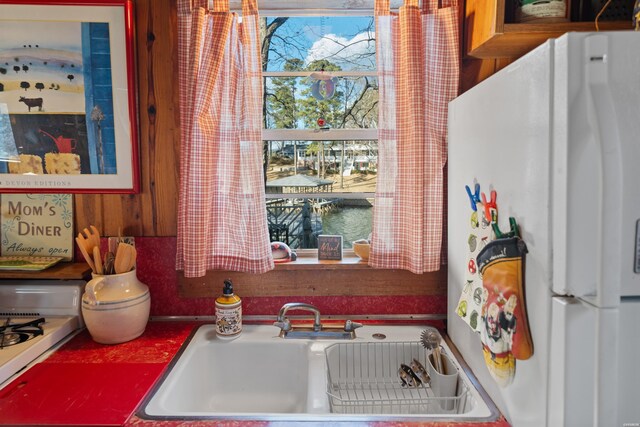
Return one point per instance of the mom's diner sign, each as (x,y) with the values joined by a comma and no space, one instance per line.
(37,225)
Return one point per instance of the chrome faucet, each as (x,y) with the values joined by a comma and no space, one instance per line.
(285,324)
(287,330)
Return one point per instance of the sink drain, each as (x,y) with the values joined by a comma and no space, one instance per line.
(379,336)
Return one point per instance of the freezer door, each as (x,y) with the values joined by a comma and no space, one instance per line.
(583,364)
(595,173)
(499,137)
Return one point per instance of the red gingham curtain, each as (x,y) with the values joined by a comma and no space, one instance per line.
(418,69)
(222,222)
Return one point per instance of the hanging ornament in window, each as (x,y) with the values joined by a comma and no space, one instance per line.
(322,124)
(323,85)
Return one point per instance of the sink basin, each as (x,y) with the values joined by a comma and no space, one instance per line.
(254,373)
(262,376)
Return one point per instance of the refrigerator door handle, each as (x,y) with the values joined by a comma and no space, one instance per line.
(592,245)
(603,115)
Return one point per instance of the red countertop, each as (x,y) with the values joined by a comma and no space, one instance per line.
(86,383)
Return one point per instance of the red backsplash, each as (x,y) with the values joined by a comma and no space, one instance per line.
(156,268)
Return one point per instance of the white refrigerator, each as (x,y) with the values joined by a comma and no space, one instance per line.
(557,135)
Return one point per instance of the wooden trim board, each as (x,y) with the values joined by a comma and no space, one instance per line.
(329,280)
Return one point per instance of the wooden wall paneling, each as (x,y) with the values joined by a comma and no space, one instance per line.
(337,280)
(158,71)
(503,62)
(88,210)
(473,71)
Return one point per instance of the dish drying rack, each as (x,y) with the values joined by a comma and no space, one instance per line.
(362,378)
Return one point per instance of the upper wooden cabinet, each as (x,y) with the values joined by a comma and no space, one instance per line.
(488,36)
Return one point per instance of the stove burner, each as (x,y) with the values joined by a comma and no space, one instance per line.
(15,333)
(9,339)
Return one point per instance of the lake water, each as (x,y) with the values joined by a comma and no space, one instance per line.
(352,222)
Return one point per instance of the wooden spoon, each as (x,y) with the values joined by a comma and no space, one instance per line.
(92,236)
(84,243)
(83,248)
(97,259)
(125,258)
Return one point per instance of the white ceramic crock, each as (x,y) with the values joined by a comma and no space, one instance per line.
(116,307)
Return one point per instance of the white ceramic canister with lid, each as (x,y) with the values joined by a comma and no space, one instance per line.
(116,307)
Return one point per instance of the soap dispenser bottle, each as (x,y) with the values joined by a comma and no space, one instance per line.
(228,313)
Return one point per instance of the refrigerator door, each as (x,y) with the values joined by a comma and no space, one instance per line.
(595,151)
(593,370)
(583,364)
(499,135)
(628,370)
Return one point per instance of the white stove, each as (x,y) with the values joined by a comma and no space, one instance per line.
(34,316)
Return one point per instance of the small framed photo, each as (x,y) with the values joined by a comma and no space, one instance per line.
(329,247)
(68,115)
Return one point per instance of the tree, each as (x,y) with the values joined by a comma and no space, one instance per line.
(281,98)
(16,69)
(1,87)
(360,103)
(25,85)
(267,31)
(3,70)
(40,86)
(286,103)
(25,68)
(70,77)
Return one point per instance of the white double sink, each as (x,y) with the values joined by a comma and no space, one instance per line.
(262,376)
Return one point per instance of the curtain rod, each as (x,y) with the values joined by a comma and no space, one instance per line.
(310,7)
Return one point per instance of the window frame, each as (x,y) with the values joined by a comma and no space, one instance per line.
(310,134)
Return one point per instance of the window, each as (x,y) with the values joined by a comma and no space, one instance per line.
(320,120)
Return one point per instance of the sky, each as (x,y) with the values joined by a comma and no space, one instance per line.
(332,36)
(16,34)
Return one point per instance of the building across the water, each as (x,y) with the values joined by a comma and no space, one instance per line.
(299,184)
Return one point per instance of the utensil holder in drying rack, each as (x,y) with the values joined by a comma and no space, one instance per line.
(362,378)
(443,384)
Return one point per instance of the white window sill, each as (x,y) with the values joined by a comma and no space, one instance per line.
(308,260)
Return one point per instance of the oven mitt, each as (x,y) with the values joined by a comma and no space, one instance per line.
(480,233)
(505,331)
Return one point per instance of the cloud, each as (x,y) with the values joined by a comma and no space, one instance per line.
(355,53)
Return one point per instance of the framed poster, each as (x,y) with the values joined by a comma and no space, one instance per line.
(68,118)
(37,225)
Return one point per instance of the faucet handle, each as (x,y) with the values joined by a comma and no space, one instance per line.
(350,326)
(284,324)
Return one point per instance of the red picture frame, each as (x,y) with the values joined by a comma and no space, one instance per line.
(68,97)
